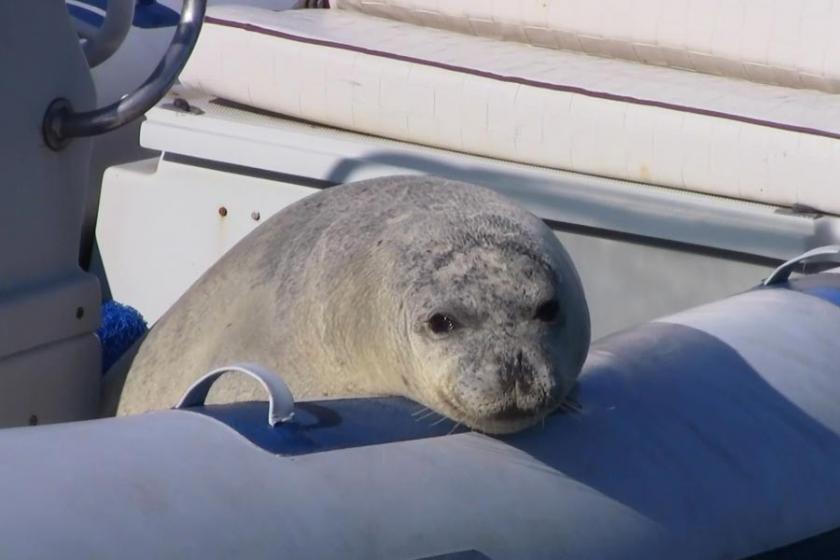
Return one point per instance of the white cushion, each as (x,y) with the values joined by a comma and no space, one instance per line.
(532,105)
(794,43)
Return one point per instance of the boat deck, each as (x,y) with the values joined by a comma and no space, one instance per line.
(250,141)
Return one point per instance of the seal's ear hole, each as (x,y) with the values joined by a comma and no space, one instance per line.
(441,323)
(547,311)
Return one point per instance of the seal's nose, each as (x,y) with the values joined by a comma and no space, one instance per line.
(517,374)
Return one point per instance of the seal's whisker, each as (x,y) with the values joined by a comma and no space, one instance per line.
(439,420)
(455,427)
(426,415)
(570,405)
(420,411)
(573,401)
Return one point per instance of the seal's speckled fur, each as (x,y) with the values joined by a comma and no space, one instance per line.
(336,291)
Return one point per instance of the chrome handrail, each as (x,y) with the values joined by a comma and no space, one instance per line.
(829,254)
(103,41)
(61,123)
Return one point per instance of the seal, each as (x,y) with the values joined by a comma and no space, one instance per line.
(440,291)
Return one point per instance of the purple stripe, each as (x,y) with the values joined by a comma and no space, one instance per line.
(526,81)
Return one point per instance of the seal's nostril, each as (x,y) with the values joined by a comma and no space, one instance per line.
(507,377)
(519,360)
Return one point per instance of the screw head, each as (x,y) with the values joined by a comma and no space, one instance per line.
(181,104)
(223,211)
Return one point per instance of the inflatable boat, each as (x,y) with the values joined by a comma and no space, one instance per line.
(682,153)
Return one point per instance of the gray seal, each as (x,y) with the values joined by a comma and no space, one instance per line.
(440,291)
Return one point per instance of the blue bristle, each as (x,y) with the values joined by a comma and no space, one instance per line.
(122,326)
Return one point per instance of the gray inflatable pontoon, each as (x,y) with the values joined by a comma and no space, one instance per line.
(714,433)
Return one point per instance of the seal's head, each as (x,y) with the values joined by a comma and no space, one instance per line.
(497,322)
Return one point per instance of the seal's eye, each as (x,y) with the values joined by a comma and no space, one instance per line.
(440,323)
(547,311)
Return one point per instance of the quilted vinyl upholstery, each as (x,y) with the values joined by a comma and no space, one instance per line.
(794,43)
(527,104)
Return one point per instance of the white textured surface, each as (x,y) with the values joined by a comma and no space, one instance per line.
(497,117)
(159,226)
(793,43)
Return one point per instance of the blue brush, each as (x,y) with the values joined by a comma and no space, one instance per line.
(122,326)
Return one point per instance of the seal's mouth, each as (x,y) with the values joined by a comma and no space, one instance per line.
(515,413)
(532,403)
(511,415)
(508,419)
(514,417)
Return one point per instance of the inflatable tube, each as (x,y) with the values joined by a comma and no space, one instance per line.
(714,433)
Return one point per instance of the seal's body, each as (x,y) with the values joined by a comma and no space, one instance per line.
(439,291)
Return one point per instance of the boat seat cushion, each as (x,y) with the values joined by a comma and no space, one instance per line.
(793,43)
(517,102)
